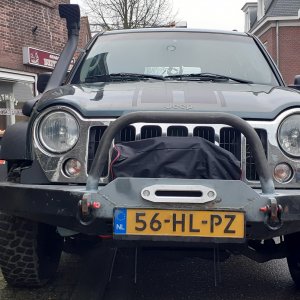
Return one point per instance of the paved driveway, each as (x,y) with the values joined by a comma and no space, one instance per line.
(60,289)
(160,277)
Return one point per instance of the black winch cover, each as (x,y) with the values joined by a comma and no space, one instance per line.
(174,157)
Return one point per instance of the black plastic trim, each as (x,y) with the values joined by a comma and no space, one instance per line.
(13,143)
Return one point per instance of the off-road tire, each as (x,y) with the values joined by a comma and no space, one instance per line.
(293,258)
(29,251)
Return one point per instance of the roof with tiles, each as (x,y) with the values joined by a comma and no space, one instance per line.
(278,8)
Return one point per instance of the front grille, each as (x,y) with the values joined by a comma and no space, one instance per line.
(150,131)
(95,136)
(250,164)
(177,131)
(126,135)
(229,138)
(205,132)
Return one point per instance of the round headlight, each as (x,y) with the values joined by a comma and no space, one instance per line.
(58,132)
(289,135)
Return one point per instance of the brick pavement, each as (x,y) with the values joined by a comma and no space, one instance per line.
(59,289)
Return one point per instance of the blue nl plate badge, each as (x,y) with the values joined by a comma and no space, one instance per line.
(120,221)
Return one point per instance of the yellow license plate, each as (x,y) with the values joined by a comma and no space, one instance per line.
(190,223)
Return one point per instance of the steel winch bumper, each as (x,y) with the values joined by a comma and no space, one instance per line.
(62,205)
(268,213)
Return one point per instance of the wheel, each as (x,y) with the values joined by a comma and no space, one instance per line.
(293,257)
(29,251)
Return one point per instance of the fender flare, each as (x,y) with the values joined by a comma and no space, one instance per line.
(13,143)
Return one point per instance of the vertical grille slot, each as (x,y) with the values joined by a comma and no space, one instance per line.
(230,139)
(150,131)
(250,163)
(177,131)
(95,136)
(205,132)
(127,134)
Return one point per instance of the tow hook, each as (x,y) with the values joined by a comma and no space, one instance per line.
(272,214)
(86,209)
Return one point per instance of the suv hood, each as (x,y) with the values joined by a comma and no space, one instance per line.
(250,101)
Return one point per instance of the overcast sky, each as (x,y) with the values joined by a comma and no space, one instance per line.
(208,14)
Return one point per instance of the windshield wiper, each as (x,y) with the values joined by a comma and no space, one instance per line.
(207,77)
(122,77)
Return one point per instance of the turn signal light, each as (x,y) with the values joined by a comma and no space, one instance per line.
(283,173)
(72,167)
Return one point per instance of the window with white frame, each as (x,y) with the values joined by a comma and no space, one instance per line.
(15,89)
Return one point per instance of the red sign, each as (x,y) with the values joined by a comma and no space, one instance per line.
(41,58)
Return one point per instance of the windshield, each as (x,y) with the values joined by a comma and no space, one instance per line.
(175,53)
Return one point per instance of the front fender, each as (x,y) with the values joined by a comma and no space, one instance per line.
(13,143)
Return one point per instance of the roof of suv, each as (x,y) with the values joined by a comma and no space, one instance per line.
(167,29)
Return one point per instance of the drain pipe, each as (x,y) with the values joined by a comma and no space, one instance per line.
(277,43)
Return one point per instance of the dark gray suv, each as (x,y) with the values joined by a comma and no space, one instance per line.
(160,138)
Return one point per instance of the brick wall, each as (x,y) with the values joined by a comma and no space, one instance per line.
(18,18)
(85,33)
(289,50)
(289,53)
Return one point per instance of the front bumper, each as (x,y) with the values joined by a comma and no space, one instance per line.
(60,205)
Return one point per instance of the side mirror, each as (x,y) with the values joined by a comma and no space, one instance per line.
(42,81)
(297,80)
(296,83)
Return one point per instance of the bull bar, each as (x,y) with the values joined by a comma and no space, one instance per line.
(89,210)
